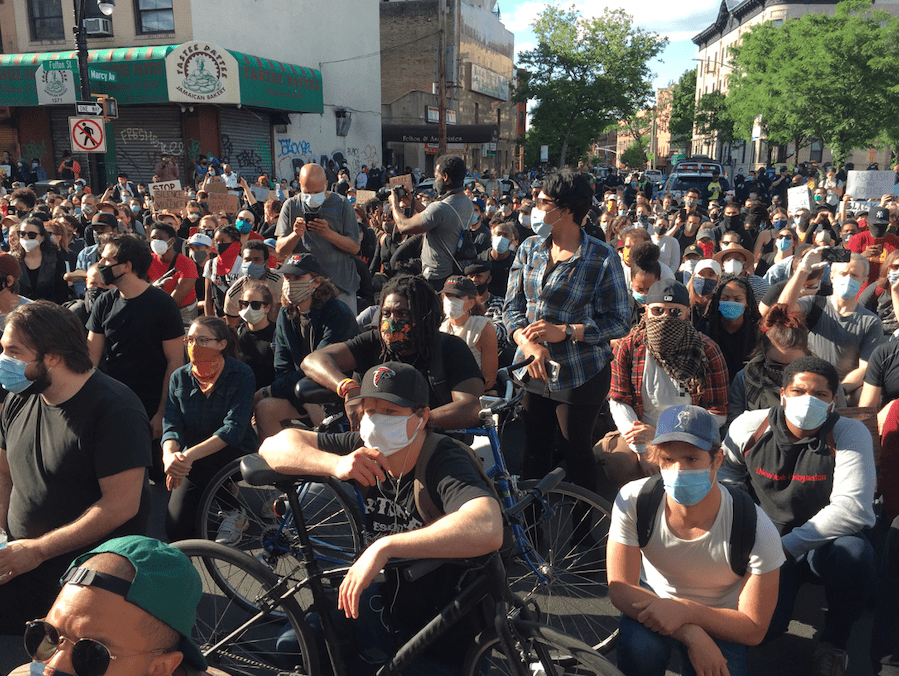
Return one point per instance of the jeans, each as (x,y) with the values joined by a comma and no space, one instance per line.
(642,652)
(845,567)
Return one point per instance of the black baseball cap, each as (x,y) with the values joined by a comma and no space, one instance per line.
(478,267)
(459,286)
(395,382)
(301,264)
(668,291)
(879,216)
(103,218)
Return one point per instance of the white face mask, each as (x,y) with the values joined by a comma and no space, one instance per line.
(29,244)
(159,246)
(313,200)
(251,316)
(193,215)
(540,227)
(386,433)
(689,266)
(732,267)
(525,220)
(499,243)
(453,307)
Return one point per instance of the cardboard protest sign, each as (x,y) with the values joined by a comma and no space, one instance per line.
(216,187)
(261,194)
(405,180)
(858,206)
(799,197)
(362,196)
(164,186)
(222,202)
(170,200)
(869,184)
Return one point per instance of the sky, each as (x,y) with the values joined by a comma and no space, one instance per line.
(678,22)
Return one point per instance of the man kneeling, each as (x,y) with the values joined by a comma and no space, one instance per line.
(699,593)
(381,459)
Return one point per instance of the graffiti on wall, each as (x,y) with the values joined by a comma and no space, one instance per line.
(132,154)
(35,149)
(244,159)
(294,153)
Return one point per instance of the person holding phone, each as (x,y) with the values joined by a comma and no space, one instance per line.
(566,299)
(875,243)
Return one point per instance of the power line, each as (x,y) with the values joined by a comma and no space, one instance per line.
(368,56)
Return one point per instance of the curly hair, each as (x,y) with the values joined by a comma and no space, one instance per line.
(751,315)
(782,329)
(425,309)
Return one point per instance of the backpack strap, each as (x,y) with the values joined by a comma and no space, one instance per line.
(648,500)
(831,443)
(756,436)
(742,531)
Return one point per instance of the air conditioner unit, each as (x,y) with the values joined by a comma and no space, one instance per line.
(99,27)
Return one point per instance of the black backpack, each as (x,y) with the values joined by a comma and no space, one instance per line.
(742,533)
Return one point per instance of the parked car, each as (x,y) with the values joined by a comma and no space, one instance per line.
(678,183)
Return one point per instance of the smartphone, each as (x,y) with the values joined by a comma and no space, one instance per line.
(308,216)
(552,370)
(836,255)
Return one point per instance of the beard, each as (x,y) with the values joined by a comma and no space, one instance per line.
(439,186)
(39,384)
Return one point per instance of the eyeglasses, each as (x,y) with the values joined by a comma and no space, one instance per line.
(198,340)
(673,312)
(543,202)
(89,657)
(255,304)
(30,234)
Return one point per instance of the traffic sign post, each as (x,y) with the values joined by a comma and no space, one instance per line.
(88,108)
(87,134)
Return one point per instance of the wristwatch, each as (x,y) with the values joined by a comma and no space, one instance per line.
(569,333)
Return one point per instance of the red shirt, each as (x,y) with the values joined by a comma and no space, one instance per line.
(185,268)
(863,240)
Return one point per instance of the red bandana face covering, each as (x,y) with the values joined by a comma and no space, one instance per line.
(206,365)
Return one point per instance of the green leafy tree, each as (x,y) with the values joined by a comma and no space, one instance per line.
(713,121)
(635,155)
(828,77)
(585,73)
(683,111)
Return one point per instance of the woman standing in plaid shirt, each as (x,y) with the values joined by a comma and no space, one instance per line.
(565,301)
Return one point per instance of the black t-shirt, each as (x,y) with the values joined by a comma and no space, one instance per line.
(499,272)
(458,363)
(57,454)
(451,480)
(883,370)
(256,349)
(135,330)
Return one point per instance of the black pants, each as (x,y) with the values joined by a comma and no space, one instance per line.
(184,502)
(556,431)
(885,633)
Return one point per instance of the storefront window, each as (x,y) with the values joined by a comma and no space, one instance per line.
(46,20)
(154,16)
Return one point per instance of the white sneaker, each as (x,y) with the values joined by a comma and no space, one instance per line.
(233,525)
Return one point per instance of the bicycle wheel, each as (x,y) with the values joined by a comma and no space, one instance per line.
(561,566)
(534,643)
(223,609)
(332,521)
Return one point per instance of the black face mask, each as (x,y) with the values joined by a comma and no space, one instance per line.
(482,288)
(733,221)
(91,295)
(222,247)
(877,230)
(22,214)
(107,276)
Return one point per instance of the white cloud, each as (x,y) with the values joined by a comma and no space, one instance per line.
(522,16)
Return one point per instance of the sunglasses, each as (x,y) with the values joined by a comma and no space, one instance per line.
(89,657)
(673,312)
(30,234)
(255,304)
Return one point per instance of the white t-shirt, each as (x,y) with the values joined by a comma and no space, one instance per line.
(696,570)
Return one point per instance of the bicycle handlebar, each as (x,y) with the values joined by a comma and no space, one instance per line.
(545,484)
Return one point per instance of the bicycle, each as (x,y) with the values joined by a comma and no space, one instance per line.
(557,562)
(237,622)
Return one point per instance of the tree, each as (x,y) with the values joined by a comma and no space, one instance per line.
(585,74)
(823,77)
(683,111)
(635,155)
(713,120)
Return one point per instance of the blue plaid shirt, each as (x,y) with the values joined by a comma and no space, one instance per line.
(586,289)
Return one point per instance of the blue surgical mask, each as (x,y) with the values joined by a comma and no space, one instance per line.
(12,374)
(538,225)
(500,244)
(243,226)
(846,287)
(639,297)
(730,309)
(805,412)
(893,276)
(252,270)
(135,208)
(784,243)
(687,486)
(703,285)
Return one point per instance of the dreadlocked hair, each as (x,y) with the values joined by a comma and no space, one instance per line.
(751,315)
(424,308)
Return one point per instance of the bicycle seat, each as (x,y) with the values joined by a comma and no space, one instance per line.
(256,472)
(310,392)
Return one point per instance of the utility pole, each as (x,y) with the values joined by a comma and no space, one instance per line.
(441,76)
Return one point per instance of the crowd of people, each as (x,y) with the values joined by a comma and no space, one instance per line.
(676,342)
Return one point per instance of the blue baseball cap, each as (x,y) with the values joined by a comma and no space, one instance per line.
(692,424)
